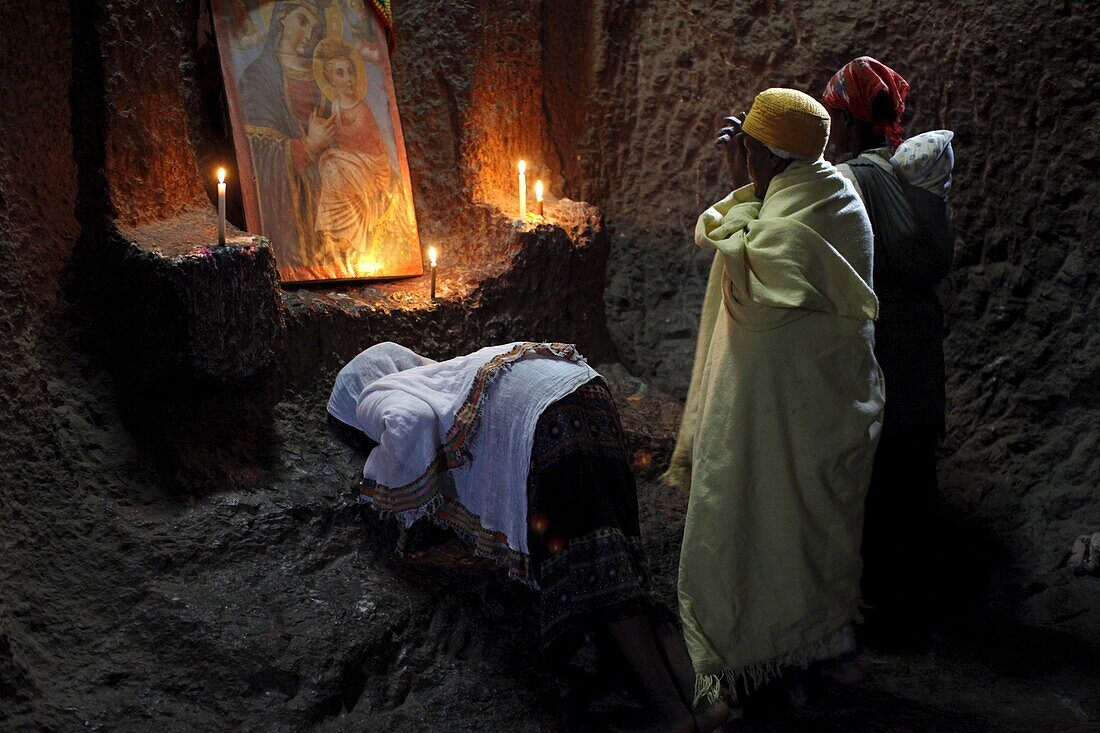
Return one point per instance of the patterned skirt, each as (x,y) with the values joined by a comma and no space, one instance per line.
(582,513)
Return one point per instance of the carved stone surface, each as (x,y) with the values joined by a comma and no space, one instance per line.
(541,281)
(132,600)
(193,310)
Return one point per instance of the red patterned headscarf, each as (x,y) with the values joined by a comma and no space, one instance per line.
(855,87)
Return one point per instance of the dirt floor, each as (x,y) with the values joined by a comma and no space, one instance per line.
(194,559)
(278,606)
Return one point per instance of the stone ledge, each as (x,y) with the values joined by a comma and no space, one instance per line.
(539,281)
(178,308)
(192,309)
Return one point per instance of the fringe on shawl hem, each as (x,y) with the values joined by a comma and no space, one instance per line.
(751,677)
(521,575)
(408,516)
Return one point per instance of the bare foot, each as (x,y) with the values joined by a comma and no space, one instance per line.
(680,725)
(705,719)
(714,717)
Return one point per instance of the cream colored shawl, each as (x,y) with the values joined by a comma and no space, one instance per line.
(779,429)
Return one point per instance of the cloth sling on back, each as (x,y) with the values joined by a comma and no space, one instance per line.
(914,249)
(914,222)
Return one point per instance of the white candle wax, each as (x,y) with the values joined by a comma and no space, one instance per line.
(221,206)
(431,258)
(522,190)
(538,197)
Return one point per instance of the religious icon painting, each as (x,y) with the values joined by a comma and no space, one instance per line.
(319,148)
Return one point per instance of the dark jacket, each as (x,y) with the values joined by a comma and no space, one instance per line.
(914,249)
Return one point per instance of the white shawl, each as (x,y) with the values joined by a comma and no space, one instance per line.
(373,363)
(463,428)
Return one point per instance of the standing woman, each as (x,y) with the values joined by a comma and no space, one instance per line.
(904,185)
(783,411)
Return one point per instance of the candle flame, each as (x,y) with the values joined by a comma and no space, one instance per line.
(522,167)
(538,190)
(221,175)
(431,255)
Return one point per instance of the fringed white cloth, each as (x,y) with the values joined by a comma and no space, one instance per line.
(461,431)
(733,681)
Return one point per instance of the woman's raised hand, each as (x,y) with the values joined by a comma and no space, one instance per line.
(729,140)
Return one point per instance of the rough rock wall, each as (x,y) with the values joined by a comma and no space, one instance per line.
(631,93)
(151,95)
(38,187)
(469,81)
(53,154)
(38,176)
(1016,82)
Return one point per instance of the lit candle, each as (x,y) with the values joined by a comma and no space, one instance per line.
(522,190)
(431,259)
(221,206)
(538,197)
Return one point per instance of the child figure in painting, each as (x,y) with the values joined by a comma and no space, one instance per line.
(356,177)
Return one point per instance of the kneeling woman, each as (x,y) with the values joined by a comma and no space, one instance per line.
(519,449)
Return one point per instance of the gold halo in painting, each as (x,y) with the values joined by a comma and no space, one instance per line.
(334,48)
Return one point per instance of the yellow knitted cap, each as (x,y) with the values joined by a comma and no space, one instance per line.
(789,120)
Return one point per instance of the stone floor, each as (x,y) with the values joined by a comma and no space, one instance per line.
(274,604)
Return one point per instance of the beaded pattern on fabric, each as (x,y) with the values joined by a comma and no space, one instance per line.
(384,10)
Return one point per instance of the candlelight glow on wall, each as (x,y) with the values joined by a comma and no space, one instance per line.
(522,190)
(431,261)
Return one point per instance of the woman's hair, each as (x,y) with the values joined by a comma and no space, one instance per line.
(882,108)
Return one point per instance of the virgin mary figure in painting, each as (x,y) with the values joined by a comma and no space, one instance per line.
(287,131)
(317,136)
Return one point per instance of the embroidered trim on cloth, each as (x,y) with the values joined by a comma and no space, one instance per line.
(450,514)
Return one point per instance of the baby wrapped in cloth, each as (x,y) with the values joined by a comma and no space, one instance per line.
(518,449)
